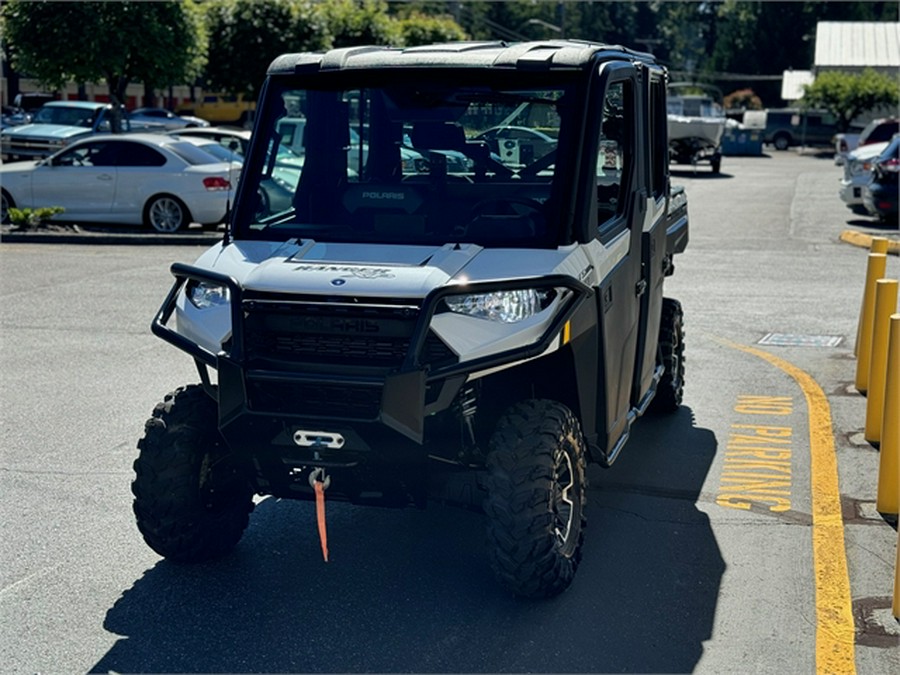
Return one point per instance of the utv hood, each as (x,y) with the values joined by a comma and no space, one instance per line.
(371,270)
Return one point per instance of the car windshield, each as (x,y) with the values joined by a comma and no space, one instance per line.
(68,116)
(425,160)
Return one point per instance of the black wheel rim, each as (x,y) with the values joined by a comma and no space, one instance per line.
(564,504)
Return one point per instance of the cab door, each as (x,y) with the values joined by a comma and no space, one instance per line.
(616,214)
(654,176)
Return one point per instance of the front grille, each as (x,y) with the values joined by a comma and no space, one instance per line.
(29,147)
(328,334)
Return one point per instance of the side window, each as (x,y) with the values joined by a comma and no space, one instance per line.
(614,156)
(659,150)
(138,154)
(81,156)
(102,154)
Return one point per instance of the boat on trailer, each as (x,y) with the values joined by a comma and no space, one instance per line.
(696,123)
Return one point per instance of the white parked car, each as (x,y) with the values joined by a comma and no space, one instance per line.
(160,181)
(857,171)
(236,140)
(876,131)
(165,119)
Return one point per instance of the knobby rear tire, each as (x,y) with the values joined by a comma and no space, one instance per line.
(670,390)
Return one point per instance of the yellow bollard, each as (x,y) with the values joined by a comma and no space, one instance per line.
(875,270)
(890,442)
(897,580)
(885,306)
(888,500)
(877,245)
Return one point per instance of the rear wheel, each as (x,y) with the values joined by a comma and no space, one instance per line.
(536,498)
(670,391)
(191,499)
(781,141)
(165,213)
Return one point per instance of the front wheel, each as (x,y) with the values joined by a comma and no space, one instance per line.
(165,213)
(191,498)
(536,498)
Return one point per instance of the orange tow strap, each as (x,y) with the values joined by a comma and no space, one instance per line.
(320,517)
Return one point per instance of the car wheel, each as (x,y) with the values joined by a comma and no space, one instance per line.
(535,505)
(6,203)
(782,141)
(192,500)
(165,213)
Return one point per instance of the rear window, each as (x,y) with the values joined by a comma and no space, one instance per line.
(192,154)
(883,132)
(220,152)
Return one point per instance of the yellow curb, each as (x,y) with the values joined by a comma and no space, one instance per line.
(865,241)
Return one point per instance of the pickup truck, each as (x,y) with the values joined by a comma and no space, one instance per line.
(788,127)
(58,123)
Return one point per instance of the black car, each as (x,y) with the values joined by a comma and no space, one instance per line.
(880,195)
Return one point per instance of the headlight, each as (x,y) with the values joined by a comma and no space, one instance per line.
(503,306)
(203,295)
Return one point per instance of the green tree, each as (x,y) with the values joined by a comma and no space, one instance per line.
(767,38)
(349,23)
(422,29)
(157,43)
(848,95)
(245,36)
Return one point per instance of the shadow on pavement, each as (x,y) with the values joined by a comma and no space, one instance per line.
(410,591)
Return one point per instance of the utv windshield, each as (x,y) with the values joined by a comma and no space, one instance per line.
(419,160)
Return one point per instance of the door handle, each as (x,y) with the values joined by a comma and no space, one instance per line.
(104,176)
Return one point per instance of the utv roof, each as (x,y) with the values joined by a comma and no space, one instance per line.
(544,55)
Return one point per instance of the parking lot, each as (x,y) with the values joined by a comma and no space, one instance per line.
(697,560)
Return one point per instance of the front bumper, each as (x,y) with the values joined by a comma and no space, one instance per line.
(370,392)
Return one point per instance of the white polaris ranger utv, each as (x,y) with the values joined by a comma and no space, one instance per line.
(457,273)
